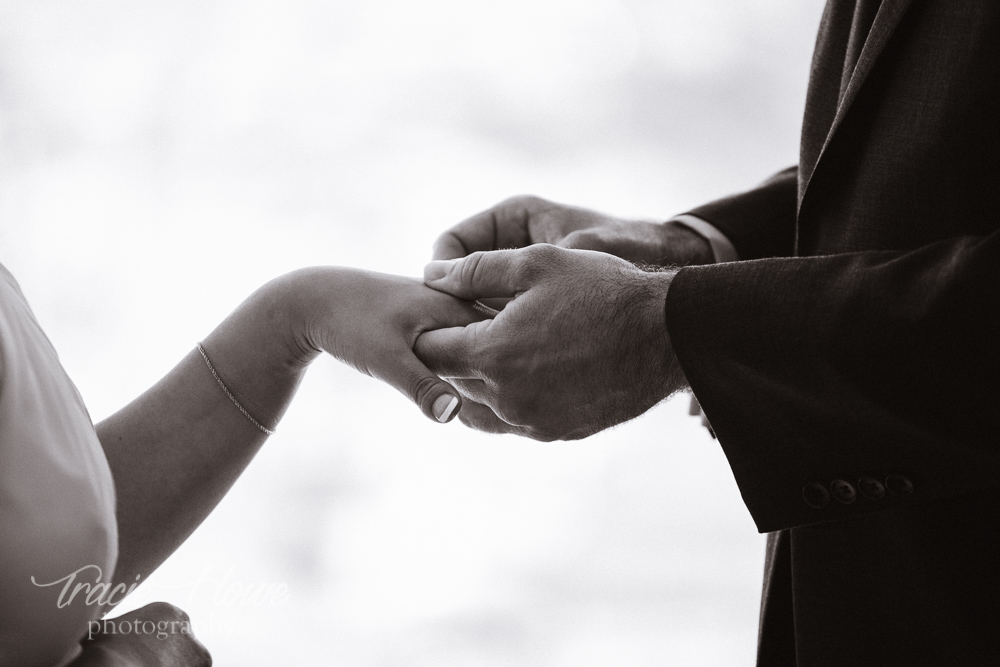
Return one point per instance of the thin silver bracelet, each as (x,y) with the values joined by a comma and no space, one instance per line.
(222,384)
(482,308)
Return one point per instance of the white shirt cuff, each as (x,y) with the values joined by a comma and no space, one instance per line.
(722,248)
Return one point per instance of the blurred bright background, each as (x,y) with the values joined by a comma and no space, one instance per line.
(160,160)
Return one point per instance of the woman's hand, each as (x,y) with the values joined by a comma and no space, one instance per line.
(176,450)
(157,635)
(372,320)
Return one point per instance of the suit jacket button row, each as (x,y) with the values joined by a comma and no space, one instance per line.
(816,495)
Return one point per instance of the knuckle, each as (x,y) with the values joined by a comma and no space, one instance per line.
(534,261)
(518,211)
(584,239)
(544,253)
(471,268)
(524,202)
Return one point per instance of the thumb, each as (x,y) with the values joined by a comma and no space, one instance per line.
(436,398)
(499,273)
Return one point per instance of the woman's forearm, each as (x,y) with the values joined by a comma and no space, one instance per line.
(176,450)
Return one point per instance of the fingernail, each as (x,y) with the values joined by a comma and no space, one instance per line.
(443,406)
(437,269)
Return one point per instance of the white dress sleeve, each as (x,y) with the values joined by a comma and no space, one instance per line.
(57,506)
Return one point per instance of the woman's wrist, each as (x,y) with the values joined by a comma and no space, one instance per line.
(313,300)
(261,350)
(294,303)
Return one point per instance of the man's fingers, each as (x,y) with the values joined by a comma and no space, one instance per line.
(476,391)
(471,235)
(482,418)
(502,273)
(481,274)
(503,226)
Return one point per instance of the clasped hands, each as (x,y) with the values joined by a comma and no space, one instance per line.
(581,344)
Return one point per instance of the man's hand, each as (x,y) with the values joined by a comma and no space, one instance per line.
(583,345)
(523,221)
(157,635)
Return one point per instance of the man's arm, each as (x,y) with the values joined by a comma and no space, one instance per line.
(847,368)
(686,239)
(813,371)
(759,222)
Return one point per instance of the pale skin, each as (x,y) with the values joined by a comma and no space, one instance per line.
(583,344)
(176,450)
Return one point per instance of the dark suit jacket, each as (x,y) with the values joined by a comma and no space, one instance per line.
(851,367)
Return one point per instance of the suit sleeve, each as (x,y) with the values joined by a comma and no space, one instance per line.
(760,222)
(855,367)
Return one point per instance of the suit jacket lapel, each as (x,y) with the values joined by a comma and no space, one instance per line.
(885,23)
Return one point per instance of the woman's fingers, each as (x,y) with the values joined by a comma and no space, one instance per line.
(157,635)
(436,398)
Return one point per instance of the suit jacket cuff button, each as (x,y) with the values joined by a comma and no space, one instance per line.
(815,495)
(843,491)
(899,485)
